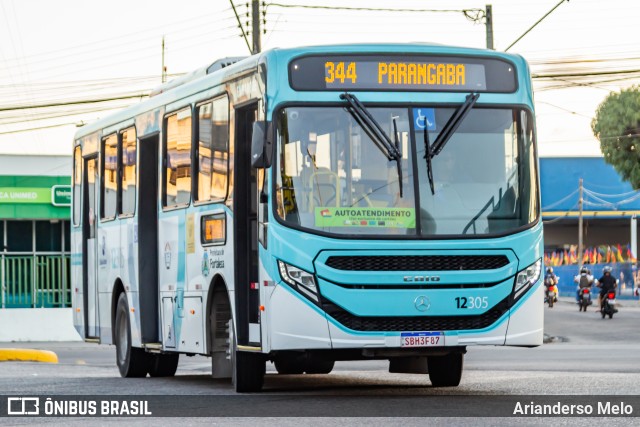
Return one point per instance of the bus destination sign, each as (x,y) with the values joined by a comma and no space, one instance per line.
(395,72)
(404,75)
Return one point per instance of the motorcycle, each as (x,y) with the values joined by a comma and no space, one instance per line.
(585,299)
(609,304)
(551,295)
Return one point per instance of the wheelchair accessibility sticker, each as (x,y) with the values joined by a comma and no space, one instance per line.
(424,117)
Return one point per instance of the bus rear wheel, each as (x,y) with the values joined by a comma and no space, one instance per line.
(163,365)
(445,371)
(132,362)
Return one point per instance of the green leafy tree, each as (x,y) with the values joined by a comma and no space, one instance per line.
(617,127)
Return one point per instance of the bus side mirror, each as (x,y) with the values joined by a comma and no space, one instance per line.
(261,148)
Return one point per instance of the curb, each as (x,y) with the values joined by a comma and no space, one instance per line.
(27,355)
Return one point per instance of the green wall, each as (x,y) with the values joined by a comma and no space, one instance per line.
(44,210)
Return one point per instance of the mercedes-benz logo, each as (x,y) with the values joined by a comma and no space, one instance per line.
(422,303)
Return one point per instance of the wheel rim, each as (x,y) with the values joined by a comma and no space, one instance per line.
(123,338)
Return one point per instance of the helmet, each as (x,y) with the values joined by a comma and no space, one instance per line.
(606,269)
(549,270)
(584,270)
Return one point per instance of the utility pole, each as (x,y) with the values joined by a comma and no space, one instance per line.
(164,68)
(255,15)
(580,224)
(488,22)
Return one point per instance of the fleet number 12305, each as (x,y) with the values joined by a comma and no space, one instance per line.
(472,302)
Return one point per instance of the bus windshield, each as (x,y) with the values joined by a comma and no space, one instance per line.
(333,178)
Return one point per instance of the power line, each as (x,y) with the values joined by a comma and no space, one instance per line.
(37,128)
(371,9)
(61,104)
(244,35)
(534,25)
(60,113)
(91,47)
(585,74)
(563,109)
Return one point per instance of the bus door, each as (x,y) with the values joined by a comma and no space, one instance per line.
(147,238)
(245,231)
(90,247)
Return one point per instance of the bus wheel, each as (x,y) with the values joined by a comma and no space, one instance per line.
(219,339)
(132,362)
(248,368)
(319,366)
(445,371)
(290,364)
(163,365)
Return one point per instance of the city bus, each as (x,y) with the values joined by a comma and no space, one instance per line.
(304,206)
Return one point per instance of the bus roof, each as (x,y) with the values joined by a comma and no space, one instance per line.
(215,74)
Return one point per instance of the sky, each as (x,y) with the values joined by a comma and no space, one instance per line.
(67,54)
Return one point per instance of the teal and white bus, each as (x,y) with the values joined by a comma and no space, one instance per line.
(311,205)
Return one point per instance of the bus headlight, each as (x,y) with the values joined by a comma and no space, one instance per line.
(299,279)
(526,278)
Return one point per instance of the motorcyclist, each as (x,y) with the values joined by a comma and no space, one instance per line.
(584,280)
(606,283)
(550,279)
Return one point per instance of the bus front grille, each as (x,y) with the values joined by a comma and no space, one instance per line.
(415,323)
(417,262)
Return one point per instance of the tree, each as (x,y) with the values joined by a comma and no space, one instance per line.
(617,127)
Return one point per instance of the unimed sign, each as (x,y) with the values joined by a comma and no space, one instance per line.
(61,195)
(24,195)
(58,195)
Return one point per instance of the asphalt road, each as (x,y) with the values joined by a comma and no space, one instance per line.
(585,355)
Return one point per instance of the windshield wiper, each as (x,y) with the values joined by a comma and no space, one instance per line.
(399,159)
(373,129)
(430,151)
(428,156)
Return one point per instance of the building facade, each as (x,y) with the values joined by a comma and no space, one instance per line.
(609,210)
(35,199)
(610,207)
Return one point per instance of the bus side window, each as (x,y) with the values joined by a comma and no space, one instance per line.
(109,176)
(177,188)
(213,150)
(77,184)
(128,175)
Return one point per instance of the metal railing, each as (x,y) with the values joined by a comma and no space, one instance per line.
(35,280)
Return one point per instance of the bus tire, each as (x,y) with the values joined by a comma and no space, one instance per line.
(163,365)
(132,362)
(219,338)
(319,366)
(445,371)
(248,367)
(290,364)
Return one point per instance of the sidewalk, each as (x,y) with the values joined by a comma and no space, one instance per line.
(37,324)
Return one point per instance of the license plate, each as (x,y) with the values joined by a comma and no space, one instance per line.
(421,339)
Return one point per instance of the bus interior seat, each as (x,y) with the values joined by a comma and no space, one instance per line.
(428,222)
(325,188)
(506,206)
